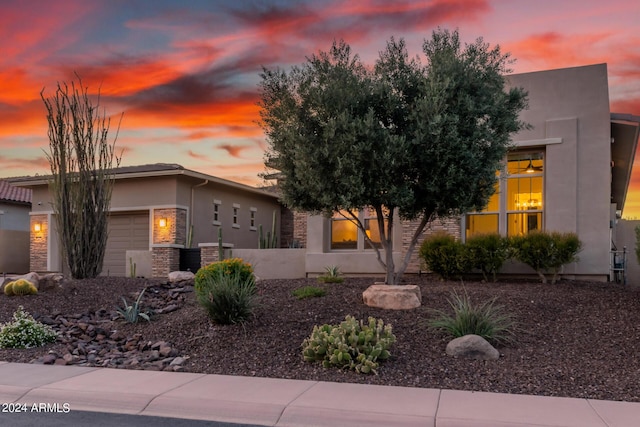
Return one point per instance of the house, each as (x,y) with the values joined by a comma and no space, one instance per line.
(15,204)
(569,173)
(157,211)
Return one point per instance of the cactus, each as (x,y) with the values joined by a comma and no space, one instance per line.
(132,267)
(351,344)
(269,241)
(20,287)
(220,245)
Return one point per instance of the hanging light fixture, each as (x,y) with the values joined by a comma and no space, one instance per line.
(530,168)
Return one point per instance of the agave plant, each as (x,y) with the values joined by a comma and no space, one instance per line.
(132,313)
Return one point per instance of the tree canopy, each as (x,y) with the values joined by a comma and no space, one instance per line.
(419,140)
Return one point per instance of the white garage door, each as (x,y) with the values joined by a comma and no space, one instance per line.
(128,231)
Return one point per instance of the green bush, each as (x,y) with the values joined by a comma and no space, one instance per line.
(227,267)
(25,332)
(488,253)
(332,275)
(487,320)
(352,344)
(546,252)
(444,255)
(309,292)
(227,297)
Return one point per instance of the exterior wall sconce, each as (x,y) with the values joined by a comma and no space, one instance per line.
(37,227)
(162,222)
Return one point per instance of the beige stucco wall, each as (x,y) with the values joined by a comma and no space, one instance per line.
(569,112)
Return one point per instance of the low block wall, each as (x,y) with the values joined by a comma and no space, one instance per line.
(274,263)
(14,251)
(142,261)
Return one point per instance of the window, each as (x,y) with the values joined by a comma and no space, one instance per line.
(216,212)
(252,218)
(236,212)
(345,234)
(517,206)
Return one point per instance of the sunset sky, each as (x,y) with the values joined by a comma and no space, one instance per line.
(185,73)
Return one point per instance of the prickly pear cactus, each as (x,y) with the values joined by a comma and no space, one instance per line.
(353,344)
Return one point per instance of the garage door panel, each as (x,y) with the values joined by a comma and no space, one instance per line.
(127,231)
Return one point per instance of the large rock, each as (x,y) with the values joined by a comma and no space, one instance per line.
(472,347)
(51,281)
(180,276)
(392,297)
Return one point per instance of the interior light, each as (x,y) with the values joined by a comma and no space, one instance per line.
(530,168)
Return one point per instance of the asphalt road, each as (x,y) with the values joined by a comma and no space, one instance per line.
(102,419)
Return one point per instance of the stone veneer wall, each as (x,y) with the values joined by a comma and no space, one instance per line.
(176,230)
(448,225)
(209,252)
(38,242)
(167,241)
(164,260)
(300,228)
(293,228)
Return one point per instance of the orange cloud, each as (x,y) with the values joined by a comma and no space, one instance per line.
(233,150)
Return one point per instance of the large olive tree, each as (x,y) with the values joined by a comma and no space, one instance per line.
(81,161)
(405,139)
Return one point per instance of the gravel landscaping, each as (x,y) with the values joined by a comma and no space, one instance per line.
(575,339)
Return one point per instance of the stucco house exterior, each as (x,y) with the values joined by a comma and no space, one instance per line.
(156,211)
(569,173)
(15,204)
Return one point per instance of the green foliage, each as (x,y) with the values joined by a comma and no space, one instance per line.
(332,275)
(228,266)
(444,255)
(25,332)
(487,253)
(269,241)
(546,251)
(425,139)
(309,292)
(132,313)
(352,344)
(20,287)
(486,319)
(227,296)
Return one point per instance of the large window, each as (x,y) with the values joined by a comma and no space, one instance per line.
(517,206)
(345,234)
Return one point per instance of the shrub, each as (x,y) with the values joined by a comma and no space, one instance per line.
(20,287)
(227,267)
(332,275)
(25,332)
(132,313)
(487,320)
(546,252)
(309,292)
(444,255)
(487,253)
(227,297)
(351,345)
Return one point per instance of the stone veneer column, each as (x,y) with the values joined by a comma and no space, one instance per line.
(209,252)
(38,241)
(449,225)
(167,240)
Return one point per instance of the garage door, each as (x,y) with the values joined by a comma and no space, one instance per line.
(128,231)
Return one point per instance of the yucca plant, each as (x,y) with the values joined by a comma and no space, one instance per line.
(132,313)
(332,275)
(487,319)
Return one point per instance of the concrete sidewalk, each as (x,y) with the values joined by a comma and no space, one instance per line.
(281,402)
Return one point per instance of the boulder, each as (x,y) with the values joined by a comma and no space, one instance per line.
(472,347)
(180,276)
(51,281)
(392,297)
